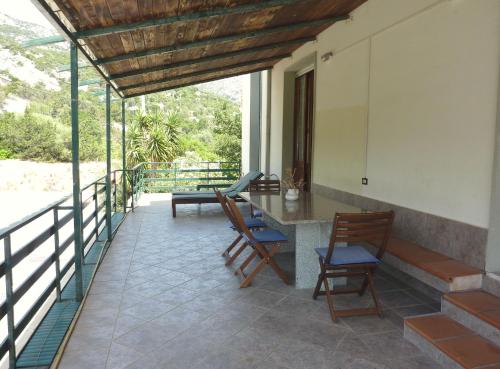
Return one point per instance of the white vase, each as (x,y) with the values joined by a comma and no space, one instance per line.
(292,194)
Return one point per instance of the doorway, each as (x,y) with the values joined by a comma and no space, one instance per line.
(303,127)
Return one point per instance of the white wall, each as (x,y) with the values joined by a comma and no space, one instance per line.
(245,125)
(408,100)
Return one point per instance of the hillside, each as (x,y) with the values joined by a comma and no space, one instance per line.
(34,102)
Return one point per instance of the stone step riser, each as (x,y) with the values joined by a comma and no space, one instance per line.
(470,321)
(491,284)
(429,349)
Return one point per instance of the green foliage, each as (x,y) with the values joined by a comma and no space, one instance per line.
(30,138)
(5,154)
(227,128)
(153,138)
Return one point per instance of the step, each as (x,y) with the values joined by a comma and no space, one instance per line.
(477,310)
(450,343)
(491,283)
(432,268)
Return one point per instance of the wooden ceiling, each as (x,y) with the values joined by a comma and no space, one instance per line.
(145,46)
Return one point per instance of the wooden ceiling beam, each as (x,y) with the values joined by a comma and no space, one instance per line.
(206,71)
(192,16)
(260,69)
(217,40)
(212,58)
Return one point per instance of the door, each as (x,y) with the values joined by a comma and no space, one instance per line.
(303,125)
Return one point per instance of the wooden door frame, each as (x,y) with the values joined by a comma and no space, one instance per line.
(310,84)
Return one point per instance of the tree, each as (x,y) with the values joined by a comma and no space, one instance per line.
(227,129)
(153,138)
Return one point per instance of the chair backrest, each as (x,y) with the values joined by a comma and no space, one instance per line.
(240,221)
(265,185)
(225,206)
(373,228)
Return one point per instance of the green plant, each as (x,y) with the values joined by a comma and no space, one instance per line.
(5,154)
(152,138)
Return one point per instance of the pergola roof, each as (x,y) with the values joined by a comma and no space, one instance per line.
(145,46)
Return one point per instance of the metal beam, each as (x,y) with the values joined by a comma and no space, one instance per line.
(239,9)
(212,58)
(87,82)
(216,40)
(99,93)
(124,162)
(67,67)
(207,71)
(108,164)
(198,82)
(75,156)
(43,41)
(46,10)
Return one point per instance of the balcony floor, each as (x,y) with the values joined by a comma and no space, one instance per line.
(163,298)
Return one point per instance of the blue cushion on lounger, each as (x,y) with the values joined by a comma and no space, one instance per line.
(253,223)
(348,255)
(269,235)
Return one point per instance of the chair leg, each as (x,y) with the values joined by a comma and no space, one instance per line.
(329,299)
(266,257)
(232,246)
(275,265)
(363,287)
(374,293)
(321,275)
(249,278)
(233,257)
(247,261)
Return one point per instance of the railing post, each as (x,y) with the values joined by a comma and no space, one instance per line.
(114,191)
(56,253)
(96,206)
(208,172)
(108,163)
(75,155)
(175,176)
(124,162)
(133,188)
(9,294)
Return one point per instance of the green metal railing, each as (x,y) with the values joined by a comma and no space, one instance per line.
(173,176)
(45,283)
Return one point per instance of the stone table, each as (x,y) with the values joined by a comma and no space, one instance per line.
(307,223)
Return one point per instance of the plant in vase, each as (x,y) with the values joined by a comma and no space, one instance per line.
(293,187)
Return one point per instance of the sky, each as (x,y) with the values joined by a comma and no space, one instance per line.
(23,10)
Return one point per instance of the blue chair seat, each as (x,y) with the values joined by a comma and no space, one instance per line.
(269,235)
(257,213)
(347,255)
(253,223)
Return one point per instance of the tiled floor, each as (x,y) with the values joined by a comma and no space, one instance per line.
(162,298)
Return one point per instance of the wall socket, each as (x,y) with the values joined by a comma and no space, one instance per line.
(364,181)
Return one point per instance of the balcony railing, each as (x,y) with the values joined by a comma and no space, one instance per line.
(173,176)
(38,263)
(37,270)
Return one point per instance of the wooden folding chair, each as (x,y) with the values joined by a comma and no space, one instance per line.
(263,185)
(265,245)
(354,259)
(250,222)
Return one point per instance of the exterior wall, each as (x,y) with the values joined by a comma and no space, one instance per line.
(408,100)
(251,125)
(245,125)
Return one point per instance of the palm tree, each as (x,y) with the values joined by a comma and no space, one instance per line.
(153,138)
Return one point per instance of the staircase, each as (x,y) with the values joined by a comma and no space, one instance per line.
(466,334)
